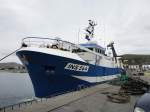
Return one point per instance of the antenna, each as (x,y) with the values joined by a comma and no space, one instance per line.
(104,35)
(78,35)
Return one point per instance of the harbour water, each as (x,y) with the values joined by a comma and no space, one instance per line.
(15,88)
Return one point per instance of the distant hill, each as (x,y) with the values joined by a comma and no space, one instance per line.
(136,58)
(12,67)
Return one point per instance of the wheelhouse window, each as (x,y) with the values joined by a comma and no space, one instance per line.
(100,51)
(90,49)
(78,50)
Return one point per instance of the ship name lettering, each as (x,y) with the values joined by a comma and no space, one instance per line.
(77,67)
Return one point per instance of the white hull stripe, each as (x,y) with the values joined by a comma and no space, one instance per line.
(96,79)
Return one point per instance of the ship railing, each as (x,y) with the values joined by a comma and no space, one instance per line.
(18,105)
(56,43)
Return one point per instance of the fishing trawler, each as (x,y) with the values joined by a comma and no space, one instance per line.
(56,66)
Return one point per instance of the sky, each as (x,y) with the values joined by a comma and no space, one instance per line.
(126,22)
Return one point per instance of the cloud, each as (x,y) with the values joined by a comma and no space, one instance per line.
(125,22)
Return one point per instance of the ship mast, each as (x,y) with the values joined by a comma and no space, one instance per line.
(90,30)
(111,45)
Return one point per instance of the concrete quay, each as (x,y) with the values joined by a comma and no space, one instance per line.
(49,104)
(91,99)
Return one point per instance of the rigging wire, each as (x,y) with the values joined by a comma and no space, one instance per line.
(10,54)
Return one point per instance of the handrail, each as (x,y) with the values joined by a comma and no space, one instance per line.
(64,44)
(73,45)
(47,39)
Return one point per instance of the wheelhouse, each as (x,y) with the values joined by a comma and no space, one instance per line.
(94,47)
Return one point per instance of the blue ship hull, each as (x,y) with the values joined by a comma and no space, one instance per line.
(49,77)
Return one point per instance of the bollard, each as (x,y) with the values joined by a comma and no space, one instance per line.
(12,108)
(19,105)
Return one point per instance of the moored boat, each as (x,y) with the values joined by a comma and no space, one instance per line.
(56,66)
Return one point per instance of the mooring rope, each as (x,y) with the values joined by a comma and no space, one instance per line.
(10,54)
